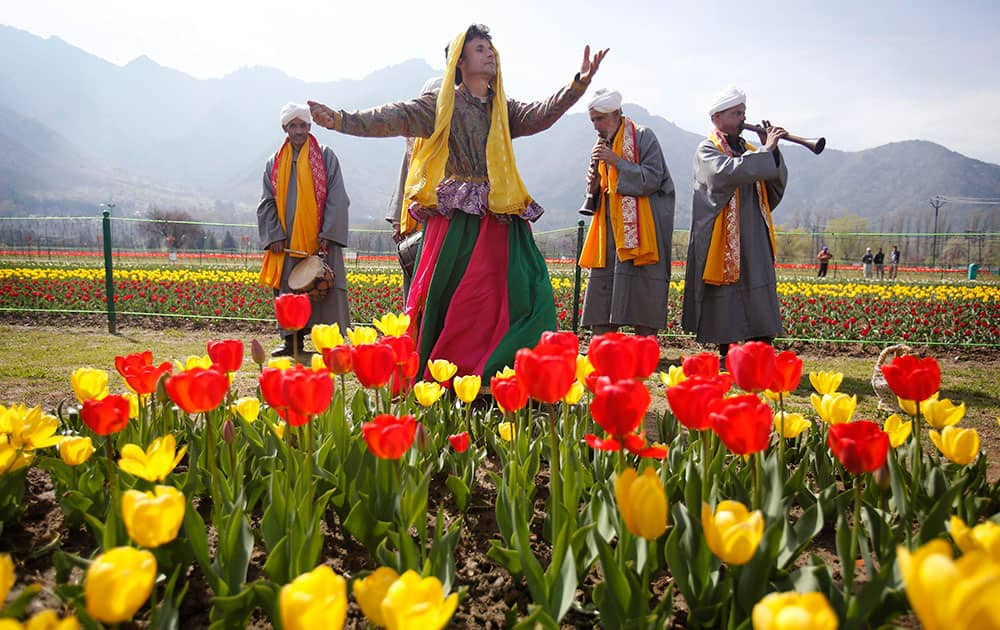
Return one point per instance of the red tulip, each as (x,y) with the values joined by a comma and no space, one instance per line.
(338,359)
(787,372)
(292,310)
(143,378)
(271,389)
(547,371)
(702,364)
(389,437)
(689,399)
(410,366)
(619,356)
(911,378)
(743,422)
(198,389)
(402,347)
(226,355)
(637,445)
(459,441)
(108,415)
(752,365)
(565,338)
(509,393)
(619,406)
(374,364)
(306,391)
(860,446)
(293,418)
(135,360)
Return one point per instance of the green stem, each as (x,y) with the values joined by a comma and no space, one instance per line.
(705,465)
(918,457)
(781,438)
(555,481)
(115,508)
(210,447)
(855,526)
(468,418)
(756,479)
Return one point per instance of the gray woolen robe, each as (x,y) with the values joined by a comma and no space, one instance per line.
(334,308)
(749,307)
(620,293)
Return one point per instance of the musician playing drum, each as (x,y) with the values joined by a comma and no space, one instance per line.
(628,245)
(730,289)
(294,226)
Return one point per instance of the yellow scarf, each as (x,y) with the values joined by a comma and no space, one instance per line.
(305,230)
(631,217)
(508,194)
(722,265)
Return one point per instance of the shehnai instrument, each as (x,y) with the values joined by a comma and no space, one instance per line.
(816,145)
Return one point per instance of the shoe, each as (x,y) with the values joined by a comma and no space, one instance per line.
(285,349)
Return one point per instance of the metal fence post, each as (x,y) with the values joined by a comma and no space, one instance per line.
(109,282)
(576,276)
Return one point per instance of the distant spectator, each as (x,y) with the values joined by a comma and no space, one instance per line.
(866,262)
(880,264)
(824,257)
(893,262)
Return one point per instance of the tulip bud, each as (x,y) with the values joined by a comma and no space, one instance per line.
(161,389)
(257,352)
(882,478)
(421,439)
(228,431)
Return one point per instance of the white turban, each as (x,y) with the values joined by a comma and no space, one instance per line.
(730,97)
(295,110)
(606,101)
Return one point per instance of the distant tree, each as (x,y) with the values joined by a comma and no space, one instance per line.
(228,242)
(174,228)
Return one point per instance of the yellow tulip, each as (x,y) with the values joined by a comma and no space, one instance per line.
(10,624)
(326,336)
(794,424)
(156,462)
(360,335)
(49,620)
(393,325)
(133,404)
(318,364)
(642,502)
(959,445)
(153,518)
(942,413)
(194,361)
(790,611)
(948,593)
(282,363)
(732,532)
(316,600)
(29,429)
(415,602)
(826,382)
(13,458)
(441,369)
(910,407)
(834,408)
(6,576)
(427,392)
(508,371)
(89,384)
(279,429)
(75,450)
(983,537)
(583,368)
(467,387)
(118,582)
(771,395)
(898,430)
(247,408)
(574,394)
(506,431)
(673,375)
(370,591)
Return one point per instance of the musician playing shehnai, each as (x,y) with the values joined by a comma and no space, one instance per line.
(303,212)
(628,246)
(730,289)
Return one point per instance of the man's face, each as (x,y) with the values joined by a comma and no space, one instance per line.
(298,131)
(606,124)
(478,59)
(730,120)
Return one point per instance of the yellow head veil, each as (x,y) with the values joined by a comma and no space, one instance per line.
(508,194)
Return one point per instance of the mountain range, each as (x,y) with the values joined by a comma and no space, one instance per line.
(76,131)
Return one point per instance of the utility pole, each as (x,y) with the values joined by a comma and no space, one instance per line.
(936,203)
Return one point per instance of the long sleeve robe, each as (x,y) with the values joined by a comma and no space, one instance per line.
(334,307)
(621,293)
(748,308)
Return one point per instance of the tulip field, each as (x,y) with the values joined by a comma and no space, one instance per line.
(353,486)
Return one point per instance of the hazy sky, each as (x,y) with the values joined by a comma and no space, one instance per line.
(862,73)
